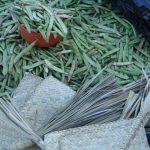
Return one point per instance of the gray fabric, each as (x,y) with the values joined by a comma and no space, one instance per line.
(50,97)
(10,138)
(37,100)
(95,137)
(25,90)
(141,139)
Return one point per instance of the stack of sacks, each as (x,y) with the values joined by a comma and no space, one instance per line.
(37,100)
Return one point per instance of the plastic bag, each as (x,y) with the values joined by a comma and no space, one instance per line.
(138,12)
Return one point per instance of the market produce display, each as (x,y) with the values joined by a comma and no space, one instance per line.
(98,43)
(94,34)
(42,19)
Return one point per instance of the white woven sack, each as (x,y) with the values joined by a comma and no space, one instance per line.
(36,100)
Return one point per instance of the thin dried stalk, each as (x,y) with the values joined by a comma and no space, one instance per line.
(19,123)
(102,103)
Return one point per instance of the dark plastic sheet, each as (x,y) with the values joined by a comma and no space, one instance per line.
(138,12)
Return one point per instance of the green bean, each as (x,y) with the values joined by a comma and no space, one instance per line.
(109,53)
(24,51)
(98,46)
(28,67)
(77,53)
(89,60)
(93,39)
(11,63)
(120,75)
(120,20)
(5,62)
(51,66)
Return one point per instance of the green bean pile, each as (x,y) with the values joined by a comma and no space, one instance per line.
(97,36)
(41,18)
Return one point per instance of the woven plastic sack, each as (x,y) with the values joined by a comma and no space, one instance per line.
(37,100)
(119,135)
(111,136)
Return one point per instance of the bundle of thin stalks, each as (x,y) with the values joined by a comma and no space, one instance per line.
(16,121)
(104,102)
